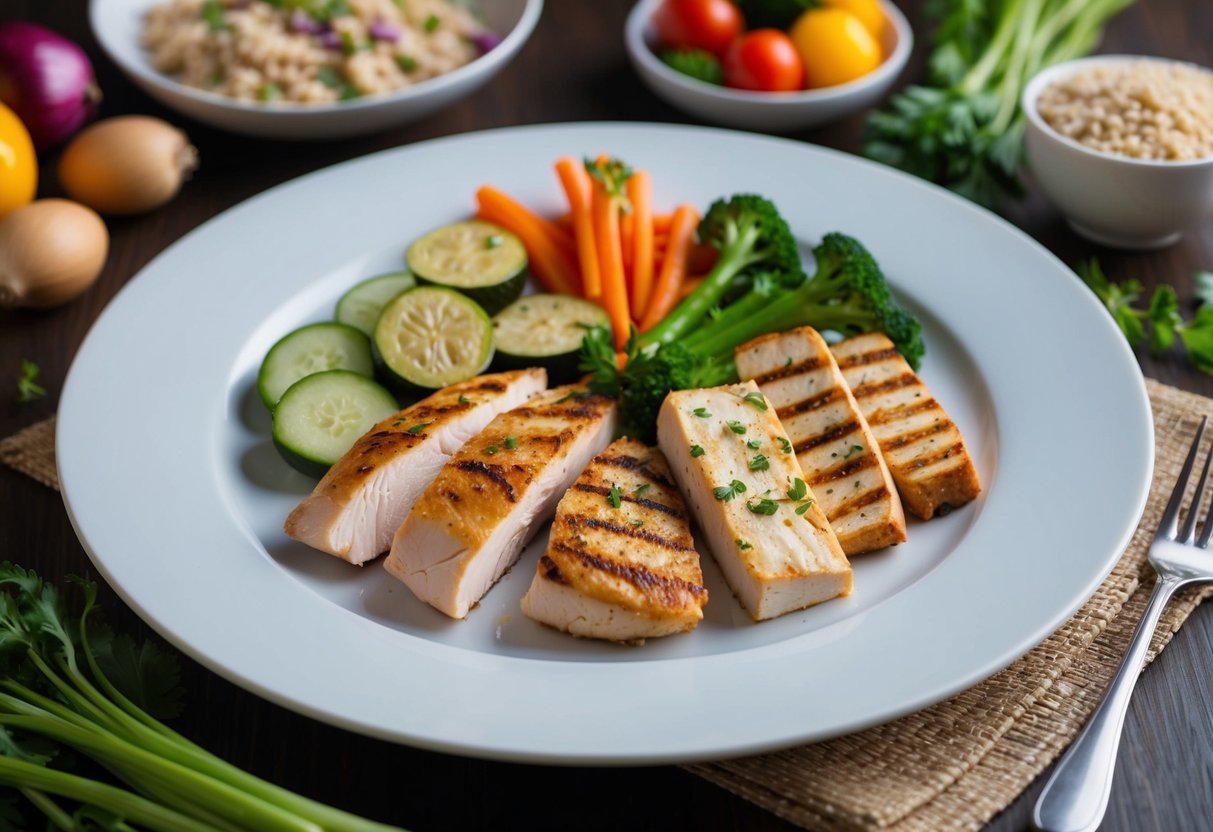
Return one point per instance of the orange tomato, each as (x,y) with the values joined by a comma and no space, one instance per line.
(835,47)
(868,12)
(18,164)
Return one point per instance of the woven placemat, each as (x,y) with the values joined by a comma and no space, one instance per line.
(957,764)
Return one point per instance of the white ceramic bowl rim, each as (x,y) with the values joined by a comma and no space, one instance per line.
(642,13)
(509,44)
(1034,87)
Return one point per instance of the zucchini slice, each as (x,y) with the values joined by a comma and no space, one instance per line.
(479,259)
(321,416)
(545,331)
(360,306)
(430,337)
(312,349)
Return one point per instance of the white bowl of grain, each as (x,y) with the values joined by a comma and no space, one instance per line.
(1123,145)
(437,77)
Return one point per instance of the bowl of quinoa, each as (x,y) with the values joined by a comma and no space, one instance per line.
(1123,146)
(311,69)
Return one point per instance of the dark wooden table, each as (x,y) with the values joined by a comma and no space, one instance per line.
(573,69)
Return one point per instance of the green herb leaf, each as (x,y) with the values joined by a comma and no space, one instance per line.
(854,449)
(463,399)
(212,13)
(694,63)
(418,428)
(1204,287)
(1197,338)
(493,241)
(742,545)
(736,426)
(640,489)
(491,450)
(785,445)
(756,400)
(728,492)
(754,444)
(696,451)
(803,507)
(613,175)
(431,23)
(28,388)
(407,63)
(637,523)
(764,506)
(1163,316)
(798,490)
(760,463)
(702,413)
(143,673)
(615,496)
(269,92)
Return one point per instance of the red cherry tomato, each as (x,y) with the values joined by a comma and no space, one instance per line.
(710,25)
(765,60)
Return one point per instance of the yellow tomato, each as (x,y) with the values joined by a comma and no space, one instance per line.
(835,47)
(868,12)
(18,164)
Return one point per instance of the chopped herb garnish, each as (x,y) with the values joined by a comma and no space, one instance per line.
(463,399)
(615,496)
(742,545)
(785,445)
(798,489)
(349,46)
(803,507)
(493,241)
(407,63)
(510,443)
(728,492)
(28,388)
(431,23)
(754,444)
(637,523)
(418,428)
(789,364)
(640,489)
(757,400)
(853,450)
(760,463)
(829,490)
(736,426)
(216,78)
(696,451)
(763,506)
(576,394)
(857,483)
(212,13)
(702,413)
(269,92)
(331,78)
(491,449)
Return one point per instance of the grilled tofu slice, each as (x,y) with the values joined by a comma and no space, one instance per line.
(487,502)
(833,443)
(359,504)
(620,563)
(923,448)
(726,449)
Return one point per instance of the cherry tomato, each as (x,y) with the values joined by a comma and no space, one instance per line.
(868,12)
(710,25)
(835,47)
(764,60)
(18,164)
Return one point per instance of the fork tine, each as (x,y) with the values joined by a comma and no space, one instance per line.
(1168,527)
(1207,531)
(1189,527)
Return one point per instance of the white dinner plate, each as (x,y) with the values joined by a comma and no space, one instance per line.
(177,494)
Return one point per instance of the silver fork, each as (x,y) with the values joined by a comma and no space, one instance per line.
(1076,796)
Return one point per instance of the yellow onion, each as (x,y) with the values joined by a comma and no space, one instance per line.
(127,164)
(50,252)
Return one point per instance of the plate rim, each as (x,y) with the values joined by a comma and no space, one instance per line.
(992,665)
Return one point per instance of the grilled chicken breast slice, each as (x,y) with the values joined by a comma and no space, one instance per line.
(620,563)
(359,504)
(486,503)
(726,449)
(833,443)
(922,446)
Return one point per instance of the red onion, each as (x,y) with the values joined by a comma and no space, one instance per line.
(47,81)
(330,39)
(301,21)
(384,31)
(485,41)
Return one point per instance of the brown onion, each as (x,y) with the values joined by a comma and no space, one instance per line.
(127,164)
(50,251)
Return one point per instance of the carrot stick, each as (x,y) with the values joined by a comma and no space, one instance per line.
(605,211)
(661,223)
(627,231)
(673,267)
(640,194)
(565,221)
(577,187)
(553,267)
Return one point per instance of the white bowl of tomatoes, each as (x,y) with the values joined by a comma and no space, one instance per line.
(769,65)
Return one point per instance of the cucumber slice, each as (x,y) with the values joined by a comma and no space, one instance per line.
(312,349)
(321,416)
(361,305)
(544,331)
(479,259)
(430,337)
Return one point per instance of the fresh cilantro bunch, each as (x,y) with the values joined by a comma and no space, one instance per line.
(1160,321)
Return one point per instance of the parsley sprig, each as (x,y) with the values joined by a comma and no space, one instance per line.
(28,388)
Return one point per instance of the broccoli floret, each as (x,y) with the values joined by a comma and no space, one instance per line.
(750,236)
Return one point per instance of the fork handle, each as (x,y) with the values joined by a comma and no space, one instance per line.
(1076,796)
